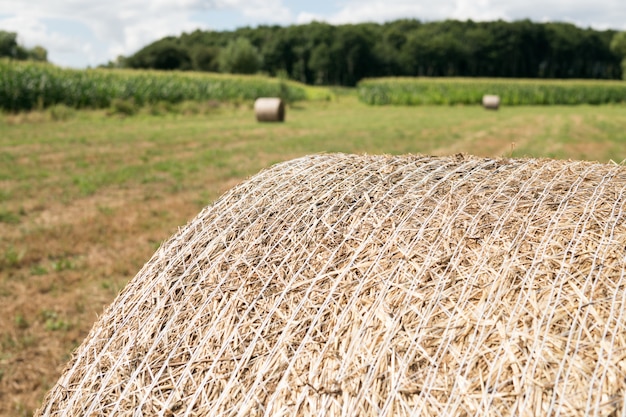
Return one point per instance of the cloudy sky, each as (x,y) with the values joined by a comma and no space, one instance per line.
(80,33)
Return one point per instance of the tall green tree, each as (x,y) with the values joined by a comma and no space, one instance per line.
(205,58)
(353,54)
(9,48)
(38,53)
(166,54)
(8,44)
(240,57)
(320,63)
(318,52)
(618,47)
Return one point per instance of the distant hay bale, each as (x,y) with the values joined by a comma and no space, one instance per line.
(491,102)
(269,109)
(375,285)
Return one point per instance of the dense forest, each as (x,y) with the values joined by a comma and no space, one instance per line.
(320,53)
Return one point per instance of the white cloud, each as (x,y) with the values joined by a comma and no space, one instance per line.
(600,14)
(260,10)
(306,17)
(118,26)
(478,10)
(31,31)
(110,28)
(378,11)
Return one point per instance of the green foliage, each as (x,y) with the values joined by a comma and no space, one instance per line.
(205,58)
(27,85)
(9,48)
(319,63)
(320,53)
(240,57)
(618,47)
(163,55)
(38,53)
(8,44)
(448,91)
(618,44)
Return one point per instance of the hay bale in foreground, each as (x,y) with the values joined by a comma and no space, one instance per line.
(375,285)
(269,109)
(491,102)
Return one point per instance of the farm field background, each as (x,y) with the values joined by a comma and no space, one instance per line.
(28,86)
(31,85)
(414,91)
(85,202)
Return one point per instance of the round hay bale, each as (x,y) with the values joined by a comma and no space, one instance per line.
(491,102)
(375,285)
(269,109)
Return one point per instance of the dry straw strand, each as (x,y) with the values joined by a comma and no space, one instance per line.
(375,285)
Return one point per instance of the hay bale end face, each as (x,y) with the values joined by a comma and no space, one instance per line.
(491,102)
(375,285)
(269,109)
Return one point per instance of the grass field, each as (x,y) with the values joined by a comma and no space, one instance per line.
(85,201)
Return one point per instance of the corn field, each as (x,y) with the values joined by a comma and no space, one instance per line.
(27,86)
(442,91)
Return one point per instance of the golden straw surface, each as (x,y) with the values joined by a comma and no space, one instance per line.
(344,285)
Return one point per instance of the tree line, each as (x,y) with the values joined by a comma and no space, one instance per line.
(9,48)
(320,53)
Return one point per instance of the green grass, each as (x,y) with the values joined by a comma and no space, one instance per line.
(86,200)
(7,216)
(512,92)
(91,153)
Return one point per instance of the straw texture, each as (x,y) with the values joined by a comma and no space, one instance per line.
(342,285)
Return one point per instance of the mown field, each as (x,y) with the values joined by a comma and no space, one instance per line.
(86,197)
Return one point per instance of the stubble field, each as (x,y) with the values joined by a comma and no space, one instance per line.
(84,202)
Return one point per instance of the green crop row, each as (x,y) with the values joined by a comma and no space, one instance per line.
(27,85)
(438,91)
